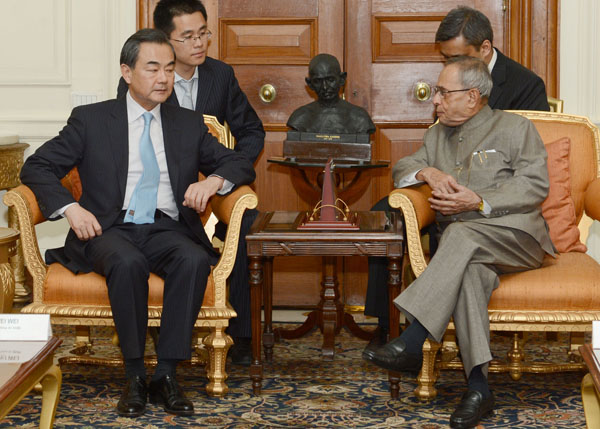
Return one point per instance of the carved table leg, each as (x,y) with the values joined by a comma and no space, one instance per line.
(256,284)
(51,383)
(394,283)
(268,335)
(330,307)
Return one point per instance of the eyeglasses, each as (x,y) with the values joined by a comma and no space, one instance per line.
(189,40)
(443,92)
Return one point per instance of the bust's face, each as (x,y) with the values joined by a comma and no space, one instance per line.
(326,80)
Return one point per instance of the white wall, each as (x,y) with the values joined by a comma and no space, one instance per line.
(54,50)
(579,73)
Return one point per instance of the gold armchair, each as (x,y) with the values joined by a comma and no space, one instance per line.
(82,299)
(563,295)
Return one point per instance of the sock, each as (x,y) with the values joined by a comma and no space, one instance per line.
(165,367)
(414,336)
(478,381)
(135,367)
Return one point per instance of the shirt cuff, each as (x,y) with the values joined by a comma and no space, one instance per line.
(60,212)
(227,185)
(408,180)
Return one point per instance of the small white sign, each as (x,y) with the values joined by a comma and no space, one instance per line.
(25,327)
(19,351)
(596,334)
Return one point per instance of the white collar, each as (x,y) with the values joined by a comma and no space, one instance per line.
(194,76)
(493,60)
(134,110)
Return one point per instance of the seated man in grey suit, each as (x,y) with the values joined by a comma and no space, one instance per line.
(487,169)
(138,159)
(464,31)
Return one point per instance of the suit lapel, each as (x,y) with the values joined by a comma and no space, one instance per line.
(498,78)
(171,135)
(173,99)
(118,132)
(205,83)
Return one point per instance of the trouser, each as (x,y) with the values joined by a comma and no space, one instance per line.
(459,280)
(125,254)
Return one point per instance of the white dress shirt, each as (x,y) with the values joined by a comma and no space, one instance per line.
(180,91)
(166,200)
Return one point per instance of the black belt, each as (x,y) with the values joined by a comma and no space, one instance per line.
(157,215)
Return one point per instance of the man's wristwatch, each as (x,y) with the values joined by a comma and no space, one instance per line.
(480,208)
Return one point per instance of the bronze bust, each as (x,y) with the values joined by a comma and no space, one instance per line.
(329,114)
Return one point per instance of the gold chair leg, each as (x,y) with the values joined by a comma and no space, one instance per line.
(576,339)
(51,383)
(217,343)
(428,376)
(83,342)
(515,357)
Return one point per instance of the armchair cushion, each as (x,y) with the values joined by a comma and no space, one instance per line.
(62,286)
(558,208)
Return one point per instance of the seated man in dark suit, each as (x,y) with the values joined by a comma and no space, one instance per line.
(209,86)
(464,31)
(138,159)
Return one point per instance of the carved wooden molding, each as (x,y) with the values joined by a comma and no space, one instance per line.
(402,38)
(531,38)
(288,41)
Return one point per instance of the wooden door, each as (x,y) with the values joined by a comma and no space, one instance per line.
(387,47)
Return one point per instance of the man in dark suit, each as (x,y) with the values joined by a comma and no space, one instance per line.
(209,86)
(464,31)
(138,160)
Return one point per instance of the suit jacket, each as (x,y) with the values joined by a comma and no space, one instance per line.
(498,155)
(220,95)
(516,87)
(95,140)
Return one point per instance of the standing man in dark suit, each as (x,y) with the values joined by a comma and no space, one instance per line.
(138,160)
(464,31)
(209,86)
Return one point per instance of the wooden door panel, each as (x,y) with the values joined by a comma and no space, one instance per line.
(288,81)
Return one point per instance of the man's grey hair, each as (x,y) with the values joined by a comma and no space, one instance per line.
(474,73)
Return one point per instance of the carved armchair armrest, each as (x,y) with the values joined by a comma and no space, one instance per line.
(22,200)
(417,213)
(592,202)
(230,209)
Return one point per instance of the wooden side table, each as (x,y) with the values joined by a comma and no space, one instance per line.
(275,234)
(590,387)
(8,249)
(40,369)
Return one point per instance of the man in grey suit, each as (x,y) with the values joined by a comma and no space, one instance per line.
(487,170)
(464,31)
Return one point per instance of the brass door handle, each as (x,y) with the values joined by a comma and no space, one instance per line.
(267,93)
(422,91)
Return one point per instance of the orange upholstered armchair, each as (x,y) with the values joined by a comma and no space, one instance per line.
(82,299)
(563,295)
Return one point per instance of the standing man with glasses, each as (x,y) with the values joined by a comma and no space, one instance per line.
(488,174)
(138,159)
(464,31)
(210,87)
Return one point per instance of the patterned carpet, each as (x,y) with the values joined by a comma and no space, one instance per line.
(300,390)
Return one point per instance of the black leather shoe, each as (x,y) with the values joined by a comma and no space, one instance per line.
(379,339)
(166,392)
(471,409)
(133,399)
(394,357)
(241,351)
